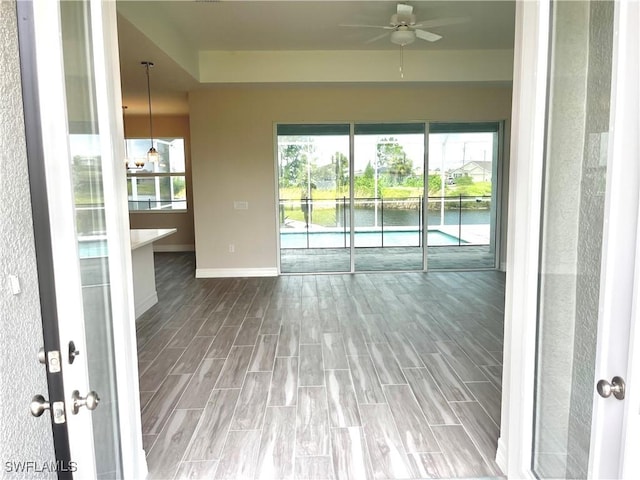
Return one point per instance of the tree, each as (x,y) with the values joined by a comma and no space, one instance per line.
(415,181)
(364,184)
(390,155)
(341,163)
(294,158)
(401,168)
(435,185)
(291,159)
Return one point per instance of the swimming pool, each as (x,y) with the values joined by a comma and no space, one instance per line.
(95,248)
(365,238)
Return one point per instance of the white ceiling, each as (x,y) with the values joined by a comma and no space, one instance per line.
(178,31)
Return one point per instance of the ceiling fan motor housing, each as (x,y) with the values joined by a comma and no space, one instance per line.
(402,19)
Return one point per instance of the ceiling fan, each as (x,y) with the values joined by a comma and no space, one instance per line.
(404,29)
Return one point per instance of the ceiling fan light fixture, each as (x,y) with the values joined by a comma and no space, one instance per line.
(403,36)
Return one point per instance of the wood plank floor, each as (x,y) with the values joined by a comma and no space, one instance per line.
(367,376)
(369,259)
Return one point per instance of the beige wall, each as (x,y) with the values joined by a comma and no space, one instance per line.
(137,126)
(232,130)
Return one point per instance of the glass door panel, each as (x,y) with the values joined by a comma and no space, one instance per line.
(314,198)
(462,193)
(576,176)
(388,193)
(86,150)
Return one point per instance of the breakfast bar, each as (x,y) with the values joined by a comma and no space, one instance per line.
(144,278)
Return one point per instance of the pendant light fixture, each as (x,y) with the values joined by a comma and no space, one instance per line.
(152,154)
(124,134)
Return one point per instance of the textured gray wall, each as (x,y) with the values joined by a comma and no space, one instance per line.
(592,218)
(22,437)
(565,148)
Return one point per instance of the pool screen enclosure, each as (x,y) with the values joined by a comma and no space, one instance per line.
(370,197)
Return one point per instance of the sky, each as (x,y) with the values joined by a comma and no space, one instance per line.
(454,149)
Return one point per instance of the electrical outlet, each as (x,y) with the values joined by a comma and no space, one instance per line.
(232,248)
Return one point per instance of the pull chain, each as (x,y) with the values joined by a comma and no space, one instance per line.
(402,61)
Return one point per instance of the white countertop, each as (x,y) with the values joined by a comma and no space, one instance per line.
(144,236)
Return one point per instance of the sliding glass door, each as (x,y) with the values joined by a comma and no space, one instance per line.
(360,197)
(463,180)
(314,198)
(388,188)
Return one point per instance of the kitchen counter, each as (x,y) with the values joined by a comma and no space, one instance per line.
(144,277)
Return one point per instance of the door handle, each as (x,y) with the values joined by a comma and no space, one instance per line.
(90,401)
(39,404)
(616,387)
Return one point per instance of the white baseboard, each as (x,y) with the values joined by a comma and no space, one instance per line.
(501,455)
(174,248)
(146,303)
(143,469)
(236,272)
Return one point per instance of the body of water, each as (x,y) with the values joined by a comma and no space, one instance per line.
(366,217)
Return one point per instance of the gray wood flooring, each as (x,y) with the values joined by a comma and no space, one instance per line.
(369,259)
(367,376)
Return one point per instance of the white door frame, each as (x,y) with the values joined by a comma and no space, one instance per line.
(523,246)
(54,124)
(107,62)
(523,235)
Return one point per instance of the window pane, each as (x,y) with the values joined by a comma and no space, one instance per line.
(151,185)
(171,158)
(157,192)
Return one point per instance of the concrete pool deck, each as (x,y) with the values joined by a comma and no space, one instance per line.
(316,260)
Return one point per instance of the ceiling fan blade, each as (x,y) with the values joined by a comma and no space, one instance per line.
(404,11)
(428,36)
(377,37)
(386,27)
(441,22)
